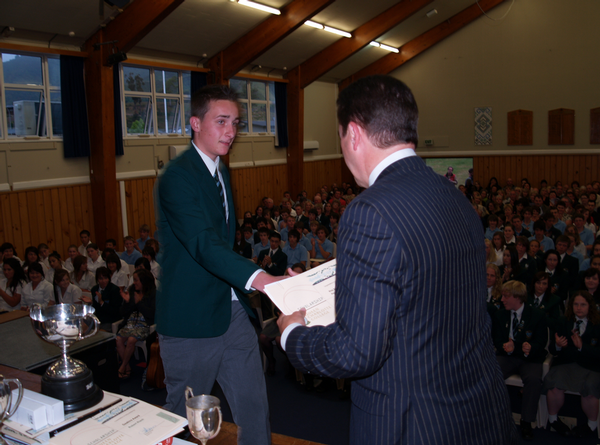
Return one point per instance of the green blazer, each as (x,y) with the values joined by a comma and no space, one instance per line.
(532,329)
(199,266)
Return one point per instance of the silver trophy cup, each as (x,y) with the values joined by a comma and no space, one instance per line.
(67,379)
(7,408)
(203,415)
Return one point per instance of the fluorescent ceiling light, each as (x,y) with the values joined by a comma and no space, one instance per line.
(374,44)
(259,6)
(389,48)
(313,24)
(337,31)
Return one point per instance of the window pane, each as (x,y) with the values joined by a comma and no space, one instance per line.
(136,79)
(272,91)
(259,91)
(138,115)
(187,82)
(188,113)
(273,118)
(56,113)
(239,86)
(243,125)
(25,113)
(26,70)
(168,116)
(54,72)
(259,118)
(166,82)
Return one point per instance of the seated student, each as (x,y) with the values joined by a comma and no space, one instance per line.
(520,334)
(263,243)
(271,332)
(143,263)
(84,236)
(108,250)
(248,234)
(7,250)
(290,225)
(55,265)
(590,282)
(509,234)
(140,243)
(587,237)
(296,253)
(550,231)
(282,220)
(541,297)
(37,290)
(72,252)
(150,255)
(527,264)
(273,260)
(569,264)
(81,276)
(154,244)
(240,245)
(94,259)
(511,268)
(322,248)
(64,291)
(576,364)
(11,286)
(498,245)
(312,234)
(492,227)
(106,299)
(494,289)
(334,233)
(527,221)
(130,255)
(260,222)
(517,223)
(44,251)
(559,225)
(559,280)
(508,212)
(138,311)
(32,255)
(539,230)
(595,251)
(572,252)
(490,252)
(579,246)
(118,276)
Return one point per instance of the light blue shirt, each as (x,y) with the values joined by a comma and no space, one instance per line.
(258,248)
(561,225)
(296,255)
(547,243)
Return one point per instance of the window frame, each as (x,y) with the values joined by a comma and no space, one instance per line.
(249,102)
(46,88)
(154,98)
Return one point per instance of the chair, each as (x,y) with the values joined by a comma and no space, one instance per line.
(141,344)
(335,250)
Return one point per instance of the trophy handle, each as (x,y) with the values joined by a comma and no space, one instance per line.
(95,322)
(220,421)
(189,392)
(18,402)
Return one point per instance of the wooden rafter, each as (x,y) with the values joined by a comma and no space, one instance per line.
(392,61)
(243,51)
(343,48)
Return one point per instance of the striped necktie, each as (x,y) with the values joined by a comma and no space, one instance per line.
(515,325)
(578,326)
(220,188)
(537,302)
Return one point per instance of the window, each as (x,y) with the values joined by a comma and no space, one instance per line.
(155,101)
(29,82)
(258,97)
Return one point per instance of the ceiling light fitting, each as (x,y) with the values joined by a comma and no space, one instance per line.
(337,31)
(259,6)
(431,13)
(313,24)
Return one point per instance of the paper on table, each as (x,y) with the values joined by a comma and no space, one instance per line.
(130,422)
(313,290)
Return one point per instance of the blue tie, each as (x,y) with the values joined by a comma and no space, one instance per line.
(515,325)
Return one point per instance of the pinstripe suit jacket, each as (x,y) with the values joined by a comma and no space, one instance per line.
(412,326)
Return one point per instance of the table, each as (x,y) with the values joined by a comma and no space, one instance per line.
(227,436)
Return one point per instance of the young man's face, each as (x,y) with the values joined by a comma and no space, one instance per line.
(264,237)
(539,233)
(321,235)
(492,224)
(518,224)
(290,223)
(275,243)
(248,235)
(109,245)
(511,303)
(521,249)
(293,241)
(129,245)
(215,133)
(144,234)
(85,239)
(549,223)
(578,222)
(527,215)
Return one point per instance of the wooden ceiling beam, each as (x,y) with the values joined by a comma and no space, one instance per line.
(243,51)
(343,48)
(392,61)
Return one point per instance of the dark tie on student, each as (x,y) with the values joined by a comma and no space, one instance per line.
(515,325)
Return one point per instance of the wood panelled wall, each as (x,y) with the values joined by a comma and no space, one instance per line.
(56,215)
(552,168)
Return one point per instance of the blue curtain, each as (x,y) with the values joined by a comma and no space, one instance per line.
(281,112)
(198,81)
(76,134)
(118,120)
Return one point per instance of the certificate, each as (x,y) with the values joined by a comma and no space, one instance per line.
(313,290)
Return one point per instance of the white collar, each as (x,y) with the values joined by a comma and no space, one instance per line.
(519,312)
(395,156)
(211,165)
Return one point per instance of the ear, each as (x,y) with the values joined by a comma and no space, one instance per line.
(195,123)
(356,133)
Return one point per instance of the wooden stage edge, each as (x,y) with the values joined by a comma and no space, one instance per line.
(227,436)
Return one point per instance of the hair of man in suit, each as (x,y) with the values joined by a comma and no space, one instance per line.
(593,315)
(202,98)
(516,289)
(384,106)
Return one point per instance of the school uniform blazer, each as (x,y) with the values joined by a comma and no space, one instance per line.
(550,306)
(199,266)
(110,310)
(588,357)
(570,265)
(411,326)
(278,261)
(532,329)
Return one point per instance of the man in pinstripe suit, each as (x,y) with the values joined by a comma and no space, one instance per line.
(412,329)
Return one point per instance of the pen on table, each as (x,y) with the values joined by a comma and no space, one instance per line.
(82,418)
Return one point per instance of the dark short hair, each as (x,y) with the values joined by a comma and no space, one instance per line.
(78,261)
(103,272)
(263,230)
(539,225)
(36,267)
(274,234)
(524,241)
(294,233)
(6,246)
(563,239)
(84,232)
(112,241)
(149,251)
(114,258)
(147,280)
(202,98)
(91,246)
(144,262)
(384,106)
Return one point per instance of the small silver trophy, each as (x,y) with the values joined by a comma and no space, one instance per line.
(203,415)
(67,379)
(6,399)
